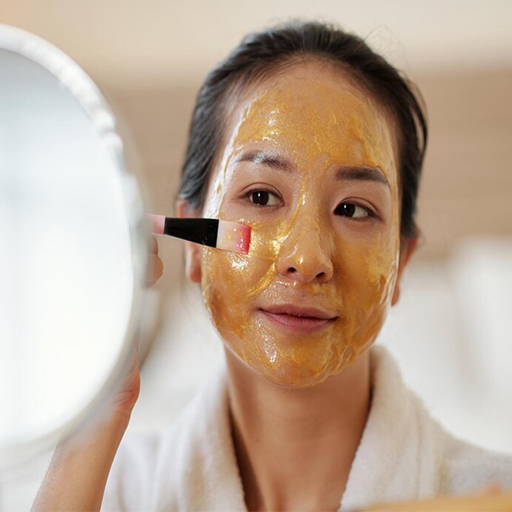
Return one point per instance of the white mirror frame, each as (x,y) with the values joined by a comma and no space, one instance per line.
(82,88)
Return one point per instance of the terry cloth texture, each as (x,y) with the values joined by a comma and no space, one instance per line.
(403,454)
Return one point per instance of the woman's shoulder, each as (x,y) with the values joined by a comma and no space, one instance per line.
(433,460)
(468,467)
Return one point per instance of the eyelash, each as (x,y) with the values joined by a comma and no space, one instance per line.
(248,195)
(370,213)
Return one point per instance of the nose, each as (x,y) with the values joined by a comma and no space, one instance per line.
(305,255)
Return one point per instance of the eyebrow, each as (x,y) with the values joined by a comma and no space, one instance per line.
(266,158)
(343,172)
(349,172)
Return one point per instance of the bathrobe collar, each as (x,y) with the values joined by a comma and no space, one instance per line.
(398,458)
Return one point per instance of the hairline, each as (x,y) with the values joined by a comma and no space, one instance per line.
(246,83)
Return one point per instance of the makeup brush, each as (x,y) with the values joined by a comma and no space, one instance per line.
(228,236)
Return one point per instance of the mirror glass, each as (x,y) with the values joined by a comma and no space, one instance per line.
(72,239)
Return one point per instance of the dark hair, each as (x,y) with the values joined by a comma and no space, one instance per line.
(261,53)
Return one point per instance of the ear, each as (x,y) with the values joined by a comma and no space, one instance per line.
(192,251)
(407,248)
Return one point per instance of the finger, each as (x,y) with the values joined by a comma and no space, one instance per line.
(135,357)
(156,269)
(153,246)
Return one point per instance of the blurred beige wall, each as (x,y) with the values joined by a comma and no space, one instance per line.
(150,57)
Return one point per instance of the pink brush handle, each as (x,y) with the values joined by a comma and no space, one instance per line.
(157,223)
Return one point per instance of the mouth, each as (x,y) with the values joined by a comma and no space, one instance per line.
(293,318)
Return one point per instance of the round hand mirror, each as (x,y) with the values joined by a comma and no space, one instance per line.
(73,248)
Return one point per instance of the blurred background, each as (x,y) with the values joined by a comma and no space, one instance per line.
(451,331)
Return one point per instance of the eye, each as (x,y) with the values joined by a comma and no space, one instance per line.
(352,211)
(263,198)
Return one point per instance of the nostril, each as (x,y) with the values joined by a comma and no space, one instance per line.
(292,270)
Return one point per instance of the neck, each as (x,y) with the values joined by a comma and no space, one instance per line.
(295,447)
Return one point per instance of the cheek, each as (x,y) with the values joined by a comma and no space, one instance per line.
(366,280)
(230,283)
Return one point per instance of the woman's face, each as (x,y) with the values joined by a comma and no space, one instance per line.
(310,164)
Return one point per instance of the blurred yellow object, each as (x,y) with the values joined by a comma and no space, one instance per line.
(496,503)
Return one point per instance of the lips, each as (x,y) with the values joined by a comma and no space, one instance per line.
(298,318)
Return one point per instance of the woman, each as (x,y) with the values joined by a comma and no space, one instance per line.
(318,143)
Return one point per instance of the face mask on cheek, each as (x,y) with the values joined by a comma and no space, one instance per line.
(236,286)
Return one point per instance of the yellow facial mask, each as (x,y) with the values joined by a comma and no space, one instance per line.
(310,144)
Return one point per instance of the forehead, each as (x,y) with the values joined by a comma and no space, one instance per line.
(313,113)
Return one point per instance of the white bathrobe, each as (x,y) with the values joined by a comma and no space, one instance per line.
(404,454)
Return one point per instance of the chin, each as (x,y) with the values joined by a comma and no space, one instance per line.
(294,379)
(289,374)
